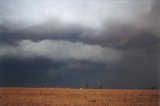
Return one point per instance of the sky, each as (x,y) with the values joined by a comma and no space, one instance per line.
(71,43)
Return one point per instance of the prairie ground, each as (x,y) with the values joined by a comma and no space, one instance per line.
(77,97)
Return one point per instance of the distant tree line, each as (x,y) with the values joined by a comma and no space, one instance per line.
(87,86)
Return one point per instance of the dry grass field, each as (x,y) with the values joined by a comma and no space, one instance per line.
(77,97)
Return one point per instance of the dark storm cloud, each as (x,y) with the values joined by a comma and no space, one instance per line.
(16,71)
(142,67)
(49,30)
(71,43)
(31,20)
(40,72)
(144,41)
(45,72)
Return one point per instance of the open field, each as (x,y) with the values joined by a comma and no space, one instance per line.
(77,97)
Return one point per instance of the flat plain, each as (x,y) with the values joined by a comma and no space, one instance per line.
(78,97)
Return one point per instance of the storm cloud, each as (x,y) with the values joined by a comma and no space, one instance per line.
(71,43)
(61,50)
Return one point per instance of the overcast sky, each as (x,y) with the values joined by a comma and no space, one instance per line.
(113,43)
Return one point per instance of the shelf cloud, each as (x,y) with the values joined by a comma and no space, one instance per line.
(104,40)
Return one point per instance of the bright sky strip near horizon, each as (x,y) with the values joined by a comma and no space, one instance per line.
(113,43)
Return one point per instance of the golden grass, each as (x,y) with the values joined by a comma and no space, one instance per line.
(77,97)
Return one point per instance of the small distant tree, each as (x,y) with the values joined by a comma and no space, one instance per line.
(100,86)
(153,87)
(87,85)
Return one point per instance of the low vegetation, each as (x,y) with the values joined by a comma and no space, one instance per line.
(77,97)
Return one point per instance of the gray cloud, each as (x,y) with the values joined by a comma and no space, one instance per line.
(114,43)
(88,13)
(61,50)
(84,21)
(144,41)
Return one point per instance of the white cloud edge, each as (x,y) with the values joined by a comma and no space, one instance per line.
(61,50)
